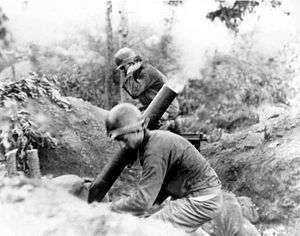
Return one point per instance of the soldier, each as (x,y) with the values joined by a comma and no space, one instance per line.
(142,82)
(172,167)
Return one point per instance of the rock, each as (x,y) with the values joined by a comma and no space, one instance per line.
(235,141)
(234,120)
(2,157)
(248,209)
(274,144)
(267,112)
(200,232)
(281,229)
(3,171)
(248,229)
(232,140)
(270,232)
(73,184)
(287,202)
(273,116)
(252,140)
(272,215)
(230,220)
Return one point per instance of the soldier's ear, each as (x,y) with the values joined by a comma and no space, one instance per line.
(145,122)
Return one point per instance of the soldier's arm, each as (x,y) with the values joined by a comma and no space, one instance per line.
(136,86)
(150,184)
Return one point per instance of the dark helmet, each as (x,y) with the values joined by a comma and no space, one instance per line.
(124,56)
(122,119)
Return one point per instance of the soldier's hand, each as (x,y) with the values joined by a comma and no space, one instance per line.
(93,193)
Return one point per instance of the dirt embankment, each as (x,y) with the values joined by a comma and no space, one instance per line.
(263,163)
(41,208)
(68,132)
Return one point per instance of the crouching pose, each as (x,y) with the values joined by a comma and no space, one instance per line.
(142,82)
(172,167)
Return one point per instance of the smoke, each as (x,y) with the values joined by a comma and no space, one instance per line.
(149,14)
(47,23)
(197,37)
(271,30)
(62,26)
(275,33)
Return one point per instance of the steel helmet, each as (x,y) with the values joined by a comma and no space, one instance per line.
(123,56)
(123,119)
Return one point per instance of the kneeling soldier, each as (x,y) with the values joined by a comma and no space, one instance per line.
(172,167)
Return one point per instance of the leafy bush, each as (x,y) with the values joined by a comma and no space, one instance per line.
(77,67)
(221,96)
(230,86)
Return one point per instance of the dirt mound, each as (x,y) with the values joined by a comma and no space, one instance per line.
(263,163)
(65,213)
(40,208)
(235,217)
(68,132)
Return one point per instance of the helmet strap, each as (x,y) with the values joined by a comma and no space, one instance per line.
(128,129)
(134,67)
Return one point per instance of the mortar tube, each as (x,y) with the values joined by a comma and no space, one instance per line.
(110,173)
(11,162)
(33,163)
(159,105)
(114,168)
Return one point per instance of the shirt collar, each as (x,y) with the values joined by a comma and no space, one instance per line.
(145,140)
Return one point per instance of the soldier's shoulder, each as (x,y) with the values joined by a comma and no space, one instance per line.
(164,135)
(148,67)
(152,71)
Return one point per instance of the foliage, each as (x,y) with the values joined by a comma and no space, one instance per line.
(19,128)
(3,29)
(233,84)
(6,55)
(78,69)
(222,95)
(81,81)
(232,16)
(158,50)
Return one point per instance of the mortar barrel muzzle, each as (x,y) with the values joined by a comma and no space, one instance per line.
(159,105)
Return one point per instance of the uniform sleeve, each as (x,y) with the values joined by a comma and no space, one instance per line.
(172,111)
(154,171)
(136,86)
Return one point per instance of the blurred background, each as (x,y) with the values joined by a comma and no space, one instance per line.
(236,58)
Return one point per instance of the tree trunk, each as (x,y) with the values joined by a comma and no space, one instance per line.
(109,54)
(123,32)
(13,72)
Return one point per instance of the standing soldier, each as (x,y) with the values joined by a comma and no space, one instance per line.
(172,167)
(142,82)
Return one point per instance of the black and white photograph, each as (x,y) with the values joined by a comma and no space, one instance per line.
(150,117)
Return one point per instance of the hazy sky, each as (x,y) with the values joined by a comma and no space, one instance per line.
(47,22)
